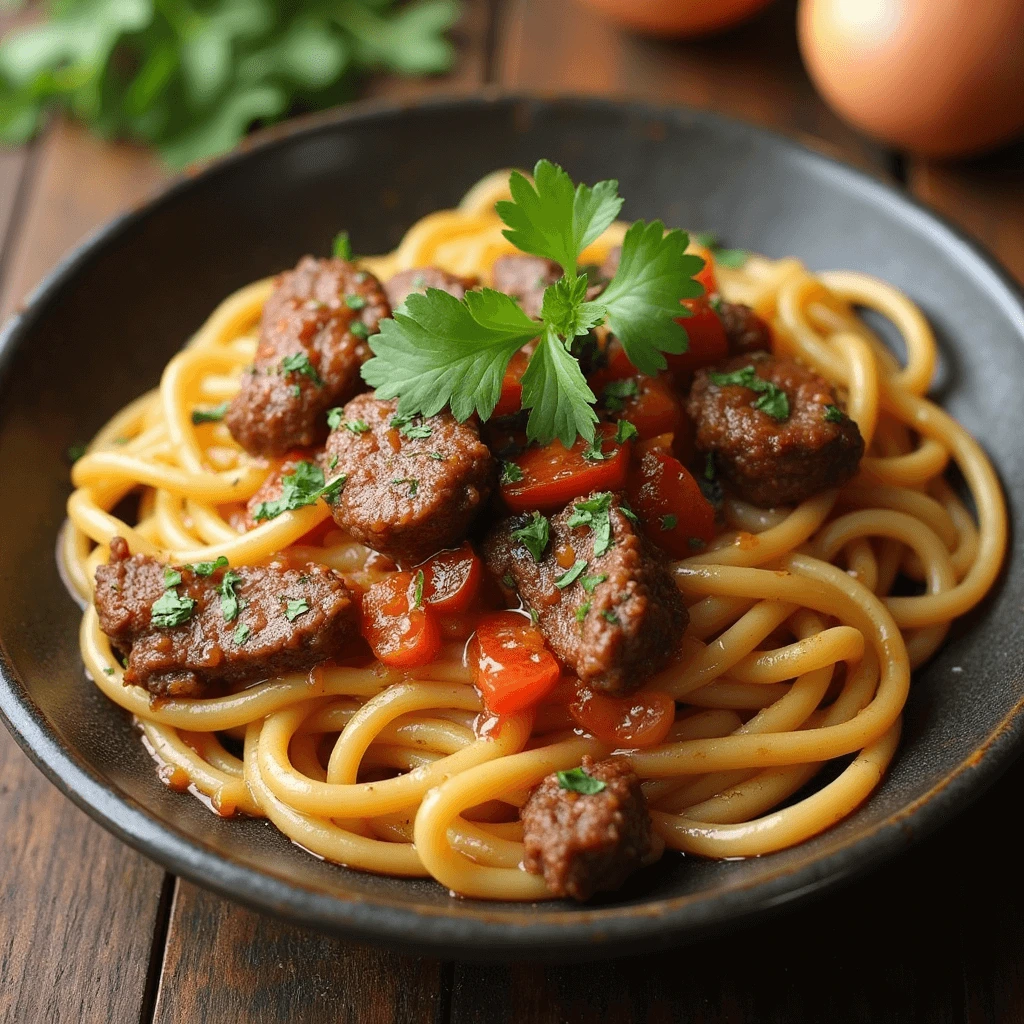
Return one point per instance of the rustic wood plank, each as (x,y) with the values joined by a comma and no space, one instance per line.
(753,72)
(227,963)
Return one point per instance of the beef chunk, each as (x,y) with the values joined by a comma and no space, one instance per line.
(525,278)
(584,843)
(288,620)
(621,619)
(419,279)
(318,316)
(745,331)
(413,488)
(769,462)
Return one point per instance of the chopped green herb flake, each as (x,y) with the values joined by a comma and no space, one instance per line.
(342,247)
(355,301)
(595,513)
(572,575)
(437,456)
(591,583)
(833,414)
(333,488)
(356,426)
(628,512)
(171,609)
(171,578)
(773,400)
(417,597)
(241,634)
(414,484)
(625,431)
(593,453)
(229,604)
(617,391)
(731,258)
(295,608)
(108,671)
(296,390)
(696,543)
(214,415)
(715,302)
(209,568)
(508,581)
(359,329)
(534,536)
(709,466)
(76,451)
(413,431)
(511,473)
(669,521)
(581,612)
(299,362)
(302,486)
(334,417)
(609,616)
(578,781)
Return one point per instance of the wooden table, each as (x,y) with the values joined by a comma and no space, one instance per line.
(90,931)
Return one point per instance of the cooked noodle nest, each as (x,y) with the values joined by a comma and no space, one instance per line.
(798,654)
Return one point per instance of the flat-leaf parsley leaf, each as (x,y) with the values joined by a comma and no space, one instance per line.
(579,781)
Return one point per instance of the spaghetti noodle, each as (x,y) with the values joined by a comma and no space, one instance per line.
(798,652)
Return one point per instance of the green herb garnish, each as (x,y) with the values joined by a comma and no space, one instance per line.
(208,568)
(241,634)
(577,780)
(171,578)
(572,575)
(438,350)
(334,417)
(511,473)
(731,258)
(295,608)
(773,400)
(417,596)
(669,521)
(298,362)
(625,431)
(355,301)
(595,512)
(617,391)
(214,415)
(229,604)
(534,536)
(590,583)
(414,484)
(341,247)
(581,612)
(302,486)
(171,609)
(833,414)
(76,451)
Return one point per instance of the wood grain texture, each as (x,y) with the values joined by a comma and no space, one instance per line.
(753,72)
(226,963)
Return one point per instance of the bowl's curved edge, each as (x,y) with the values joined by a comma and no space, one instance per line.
(474,934)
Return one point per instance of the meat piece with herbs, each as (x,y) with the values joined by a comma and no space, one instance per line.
(774,429)
(312,343)
(413,486)
(190,630)
(603,596)
(418,279)
(525,278)
(588,830)
(745,331)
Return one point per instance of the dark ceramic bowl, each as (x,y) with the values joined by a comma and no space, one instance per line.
(100,329)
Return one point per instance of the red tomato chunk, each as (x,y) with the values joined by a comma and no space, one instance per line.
(512,667)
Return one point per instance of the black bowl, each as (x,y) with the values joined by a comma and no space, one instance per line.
(99,330)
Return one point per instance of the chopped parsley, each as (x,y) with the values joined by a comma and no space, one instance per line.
(356,426)
(617,391)
(171,578)
(609,616)
(359,329)
(715,302)
(437,350)
(229,603)
(417,595)
(593,453)
(833,414)
(342,247)
(581,612)
(709,466)
(108,671)
(437,456)
(414,484)
(534,536)
(76,451)
(302,486)
(171,609)
(333,462)
(241,634)
(511,473)
(355,301)
(214,415)
(508,581)
(591,583)
(334,417)
(333,489)
(578,781)
(595,512)
(572,575)
(413,431)
(731,258)
(773,400)
(208,568)
(298,362)
(295,608)
(696,543)
(625,431)
(669,521)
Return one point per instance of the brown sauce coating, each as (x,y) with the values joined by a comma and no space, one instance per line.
(407,496)
(613,633)
(766,461)
(310,313)
(418,279)
(207,651)
(585,843)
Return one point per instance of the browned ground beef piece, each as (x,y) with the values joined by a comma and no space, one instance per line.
(206,652)
(585,843)
(411,491)
(525,278)
(419,279)
(613,632)
(311,312)
(766,461)
(744,329)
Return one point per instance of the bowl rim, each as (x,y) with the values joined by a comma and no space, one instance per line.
(465,930)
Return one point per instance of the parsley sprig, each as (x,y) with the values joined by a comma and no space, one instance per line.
(440,351)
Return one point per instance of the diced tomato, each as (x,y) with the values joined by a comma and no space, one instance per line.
(553,475)
(451,579)
(512,667)
(708,343)
(511,399)
(653,408)
(641,720)
(616,366)
(401,632)
(669,502)
(706,275)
